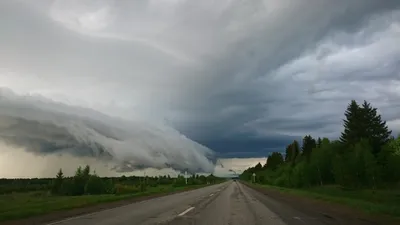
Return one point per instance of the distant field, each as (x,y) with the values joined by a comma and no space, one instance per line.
(385,202)
(23,205)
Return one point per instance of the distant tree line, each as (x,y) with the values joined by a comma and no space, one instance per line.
(365,156)
(85,182)
(24,185)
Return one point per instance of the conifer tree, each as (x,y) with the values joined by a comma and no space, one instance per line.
(363,122)
(258,167)
(308,144)
(376,129)
(292,151)
(319,142)
(274,160)
(352,124)
(288,153)
(57,184)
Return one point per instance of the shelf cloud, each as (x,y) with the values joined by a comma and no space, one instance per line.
(174,83)
(45,127)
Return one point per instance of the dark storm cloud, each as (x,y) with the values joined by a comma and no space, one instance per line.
(250,70)
(243,146)
(236,76)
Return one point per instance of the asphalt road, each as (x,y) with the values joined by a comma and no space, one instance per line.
(227,203)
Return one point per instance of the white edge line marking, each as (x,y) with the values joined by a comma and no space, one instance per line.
(186,211)
(109,209)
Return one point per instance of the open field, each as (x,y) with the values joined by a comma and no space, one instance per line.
(23,205)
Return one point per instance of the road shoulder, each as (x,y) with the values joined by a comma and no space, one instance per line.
(330,213)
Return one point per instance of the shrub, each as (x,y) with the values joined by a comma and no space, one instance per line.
(121,189)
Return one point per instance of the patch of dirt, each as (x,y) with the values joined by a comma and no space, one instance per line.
(340,214)
(60,215)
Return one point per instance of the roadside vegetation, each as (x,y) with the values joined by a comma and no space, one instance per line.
(22,198)
(360,169)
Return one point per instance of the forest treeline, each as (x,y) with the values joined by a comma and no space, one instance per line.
(86,182)
(366,155)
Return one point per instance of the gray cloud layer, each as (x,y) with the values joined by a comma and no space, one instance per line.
(44,127)
(214,70)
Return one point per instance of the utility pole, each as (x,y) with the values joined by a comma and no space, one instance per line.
(186,176)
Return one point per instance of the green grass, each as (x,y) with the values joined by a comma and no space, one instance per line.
(383,202)
(24,205)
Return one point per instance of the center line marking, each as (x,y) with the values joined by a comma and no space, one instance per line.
(186,211)
(211,195)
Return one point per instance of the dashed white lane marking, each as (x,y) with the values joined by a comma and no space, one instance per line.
(186,211)
(211,195)
(299,219)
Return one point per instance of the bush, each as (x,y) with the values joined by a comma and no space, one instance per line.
(121,189)
(95,186)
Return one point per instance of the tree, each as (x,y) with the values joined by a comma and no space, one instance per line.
(274,161)
(258,167)
(321,163)
(364,123)
(78,172)
(319,142)
(58,182)
(344,167)
(180,181)
(292,151)
(365,156)
(288,153)
(376,129)
(95,186)
(394,145)
(309,144)
(354,125)
(371,168)
(86,172)
(388,161)
(79,182)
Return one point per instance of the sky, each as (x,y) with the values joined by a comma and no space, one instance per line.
(178,84)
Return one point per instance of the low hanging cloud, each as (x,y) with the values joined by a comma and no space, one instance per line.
(45,127)
(243,78)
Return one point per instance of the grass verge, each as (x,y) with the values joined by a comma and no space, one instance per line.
(379,202)
(24,205)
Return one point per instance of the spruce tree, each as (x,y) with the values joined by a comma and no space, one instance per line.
(296,150)
(292,151)
(273,161)
(363,122)
(376,129)
(57,183)
(309,144)
(288,153)
(319,142)
(258,167)
(353,124)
